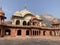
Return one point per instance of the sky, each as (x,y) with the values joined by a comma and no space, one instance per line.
(36,6)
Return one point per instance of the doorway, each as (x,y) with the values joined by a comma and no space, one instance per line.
(19,32)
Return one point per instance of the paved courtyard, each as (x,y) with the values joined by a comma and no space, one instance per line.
(28,41)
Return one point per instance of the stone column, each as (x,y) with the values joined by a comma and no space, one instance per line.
(53,34)
(38,32)
(23,32)
(2,32)
(47,33)
(41,34)
(32,32)
(59,33)
(13,32)
(29,32)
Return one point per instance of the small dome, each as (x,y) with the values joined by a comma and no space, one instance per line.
(1,12)
(55,21)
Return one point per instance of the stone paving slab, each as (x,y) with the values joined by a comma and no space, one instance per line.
(29,41)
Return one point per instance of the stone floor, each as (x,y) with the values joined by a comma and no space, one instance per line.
(29,41)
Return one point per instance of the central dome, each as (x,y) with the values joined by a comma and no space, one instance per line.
(22,13)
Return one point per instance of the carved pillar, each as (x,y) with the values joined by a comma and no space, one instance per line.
(59,32)
(53,34)
(38,32)
(41,33)
(2,32)
(23,32)
(29,32)
(13,32)
(47,33)
(32,32)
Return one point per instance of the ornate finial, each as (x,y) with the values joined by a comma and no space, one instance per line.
(0,8)
(25,7)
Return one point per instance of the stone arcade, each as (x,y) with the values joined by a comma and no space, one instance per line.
(25,23)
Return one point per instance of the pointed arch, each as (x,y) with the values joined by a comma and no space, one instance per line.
(17,22)
(44,33)
(7,32)
(24,23)
(50,33)
(27,32)
(18,32)
(28,23)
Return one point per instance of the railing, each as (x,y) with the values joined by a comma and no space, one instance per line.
(26,26)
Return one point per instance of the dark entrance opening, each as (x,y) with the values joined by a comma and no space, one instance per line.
(35,32)
(0,31)
(28,23)
(44,33)
(27,32)
(54,33)
(7,32)
(17,22)
(24,22)
(50,33)
(19,32)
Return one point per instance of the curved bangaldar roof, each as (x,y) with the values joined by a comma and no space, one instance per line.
(38,17)
(22,13)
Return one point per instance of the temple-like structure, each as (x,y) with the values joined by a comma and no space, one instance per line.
(25,23)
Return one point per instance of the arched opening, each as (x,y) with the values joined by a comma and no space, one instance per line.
(54,33)
(35,32)
(50,33)
(7,32)
(33,23)
(24,22)
(0,31)
(27,32)
(28,23)
(17,22)
(57,33)
(44,33)
(18,32)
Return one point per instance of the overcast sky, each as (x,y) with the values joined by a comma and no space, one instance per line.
(36,6)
